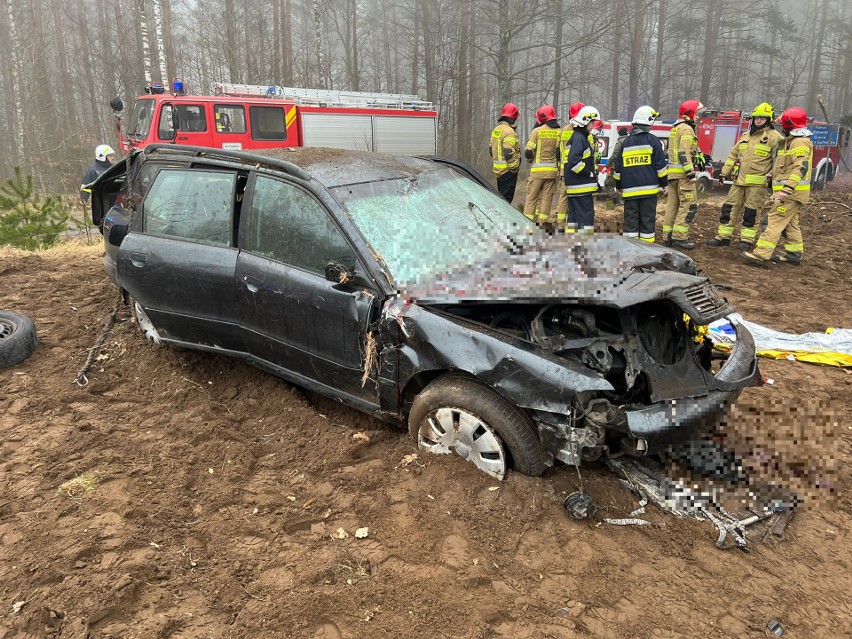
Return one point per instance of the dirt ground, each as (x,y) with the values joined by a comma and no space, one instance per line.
(209,499)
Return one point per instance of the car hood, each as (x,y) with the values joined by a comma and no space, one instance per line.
(600,269)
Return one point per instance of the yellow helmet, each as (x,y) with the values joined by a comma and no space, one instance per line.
(763,110)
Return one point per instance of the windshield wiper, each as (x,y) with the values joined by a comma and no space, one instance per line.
(514,247)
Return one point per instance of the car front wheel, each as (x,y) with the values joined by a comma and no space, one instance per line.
(455,414)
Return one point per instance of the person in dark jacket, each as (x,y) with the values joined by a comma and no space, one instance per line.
(580,173)
(104,157)
(640,173)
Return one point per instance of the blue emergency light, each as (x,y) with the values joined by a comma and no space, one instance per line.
(155,88)
(178,86)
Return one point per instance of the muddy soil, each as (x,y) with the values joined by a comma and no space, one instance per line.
(186,495)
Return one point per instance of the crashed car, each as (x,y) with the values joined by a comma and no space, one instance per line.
(407,288)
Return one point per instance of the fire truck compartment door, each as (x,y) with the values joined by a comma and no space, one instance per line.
(404,135)
(726,137)
(353,132)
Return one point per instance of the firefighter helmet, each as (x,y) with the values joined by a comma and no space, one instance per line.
(794,118)
(574,109)
(585,116)
(102,152)
(545,113)
(645,115)
(763,110)
(689,109)
(510,111)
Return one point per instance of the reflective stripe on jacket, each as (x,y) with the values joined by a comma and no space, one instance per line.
(793,166)
(505,149)
(682,143)
(580,176)
(545,141)
(755,152)
(640,170)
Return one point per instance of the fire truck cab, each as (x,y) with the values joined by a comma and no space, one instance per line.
(244,117)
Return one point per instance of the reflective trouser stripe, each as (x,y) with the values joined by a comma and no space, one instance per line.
(725,232)
(794,248)
(761,243)
(748,233)
(667,229)
(681,228)
(646,238)
(631,235)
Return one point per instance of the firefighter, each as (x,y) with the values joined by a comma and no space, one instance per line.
(791,186)
(609,182)
(104,157)
(748,165)
(580,174)
(564,140)
(640,172)
(541,150)
(505,150)
(681,206)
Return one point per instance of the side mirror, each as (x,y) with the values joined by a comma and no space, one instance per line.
(338,273)
(117,233)
(116,104)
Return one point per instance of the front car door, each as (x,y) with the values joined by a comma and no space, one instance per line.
(295,318)
(179,259)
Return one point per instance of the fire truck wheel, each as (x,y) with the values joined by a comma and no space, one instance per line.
(821,178)
(18,338)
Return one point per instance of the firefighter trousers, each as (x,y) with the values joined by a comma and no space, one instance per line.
(581,213)
(783,216)
(539,198)
(640,217)
(747,200)
(562,206)
(506,184)
(681,208)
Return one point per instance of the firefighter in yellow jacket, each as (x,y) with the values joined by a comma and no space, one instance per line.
(752,156)
(681,205)
(791,186)
(542,150)
(505,150)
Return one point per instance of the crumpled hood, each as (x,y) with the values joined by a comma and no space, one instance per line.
(602,268)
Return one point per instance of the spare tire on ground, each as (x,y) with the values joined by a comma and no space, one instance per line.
(17,338)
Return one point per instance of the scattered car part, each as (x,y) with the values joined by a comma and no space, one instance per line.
(774,626)
(580,505)
(18,338)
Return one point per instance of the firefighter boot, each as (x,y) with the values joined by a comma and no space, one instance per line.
(751,258)
(789,257)
(717,242)
(668,242)
(683,245)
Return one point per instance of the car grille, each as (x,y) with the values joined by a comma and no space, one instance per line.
(705,298)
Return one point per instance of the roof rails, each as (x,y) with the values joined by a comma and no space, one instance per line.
(322,97)
(240,156)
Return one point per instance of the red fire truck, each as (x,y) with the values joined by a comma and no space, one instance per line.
(243,116)
(718,131)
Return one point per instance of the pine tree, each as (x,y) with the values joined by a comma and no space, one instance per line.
(26,220)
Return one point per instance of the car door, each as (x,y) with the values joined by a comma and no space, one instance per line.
(179,260)
(294,317)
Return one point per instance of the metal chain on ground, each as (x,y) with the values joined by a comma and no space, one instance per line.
(81,379)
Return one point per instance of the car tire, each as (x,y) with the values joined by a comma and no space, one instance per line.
(18,338)
(487,429)
(144,323)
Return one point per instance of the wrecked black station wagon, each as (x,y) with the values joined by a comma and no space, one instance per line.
(407,288)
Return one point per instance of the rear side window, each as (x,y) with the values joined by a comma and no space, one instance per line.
(267,123)
(192,119)
(230,118)
(289,225)
(191,204)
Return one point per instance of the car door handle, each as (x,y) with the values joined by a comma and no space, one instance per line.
(252,284)
(139,259)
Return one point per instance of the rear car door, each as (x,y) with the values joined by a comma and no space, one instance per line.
(179,259)
(295,318)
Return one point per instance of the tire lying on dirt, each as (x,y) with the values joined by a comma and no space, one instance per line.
(18,338)
(455,414)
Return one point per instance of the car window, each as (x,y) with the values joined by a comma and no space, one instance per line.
(140,119)
(191,204)
(289,225)
(267,123)
(192,120)
(230,118)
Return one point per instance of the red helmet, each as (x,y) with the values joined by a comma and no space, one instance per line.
(689,109)
(510,111)
(574,109)
(545,113)
(794,118)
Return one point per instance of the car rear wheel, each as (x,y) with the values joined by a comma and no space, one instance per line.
(18,338)
(455,414)
(145,324)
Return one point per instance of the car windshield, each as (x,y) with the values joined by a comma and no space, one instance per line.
(140,119)
(433,223)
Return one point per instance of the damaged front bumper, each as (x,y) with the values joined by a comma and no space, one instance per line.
(669,422)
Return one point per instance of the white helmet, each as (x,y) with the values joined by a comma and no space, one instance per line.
(585,116)
(102,152)
(645,115)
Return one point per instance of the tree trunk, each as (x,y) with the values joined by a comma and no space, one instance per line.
(318,49)
(287,43)
(231,41)
(146,50)
(616,59)
(557,66)
(16,83)
(814,84)
(711,35)
(428,49)
(355,75)
(636,54)
(658,64)
(276,41)
(171,67)
(161,45)
(65,82)
(463,118)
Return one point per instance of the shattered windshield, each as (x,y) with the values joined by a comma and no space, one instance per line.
(140,119)
(433,223)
